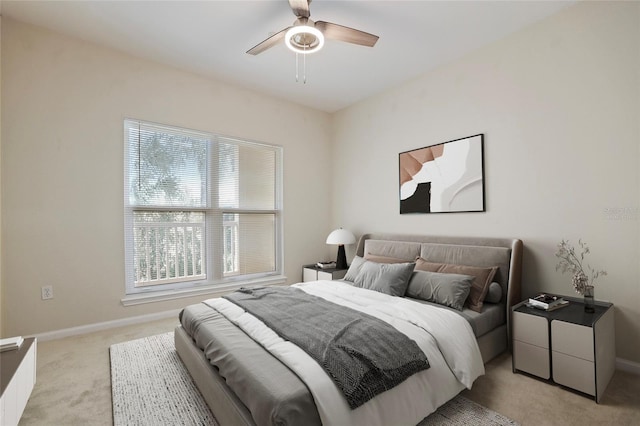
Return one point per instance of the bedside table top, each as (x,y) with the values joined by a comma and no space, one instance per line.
(573,313)
(317,268)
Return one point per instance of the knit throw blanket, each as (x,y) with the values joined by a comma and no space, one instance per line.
(363,355)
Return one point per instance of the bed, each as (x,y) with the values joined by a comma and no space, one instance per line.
(245,384)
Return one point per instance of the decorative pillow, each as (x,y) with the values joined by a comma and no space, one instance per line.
(388,278)
(494,295)
(423,265)
(383,259)
(445,289)
(354,268)
(480,285)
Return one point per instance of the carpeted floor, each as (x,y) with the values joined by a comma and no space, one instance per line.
(74,387)
(150,386)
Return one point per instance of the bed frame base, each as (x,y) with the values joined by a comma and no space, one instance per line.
(493,343)
(224,404)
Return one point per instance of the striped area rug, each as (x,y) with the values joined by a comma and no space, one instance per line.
(150,386)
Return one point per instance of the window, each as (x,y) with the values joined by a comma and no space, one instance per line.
(200,209)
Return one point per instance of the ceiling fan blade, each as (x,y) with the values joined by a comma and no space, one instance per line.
(268,43)
(300,8)
(350,35)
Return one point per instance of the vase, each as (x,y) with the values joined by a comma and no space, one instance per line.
(588,299)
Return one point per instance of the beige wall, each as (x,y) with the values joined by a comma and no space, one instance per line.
(64,102)
(559,105)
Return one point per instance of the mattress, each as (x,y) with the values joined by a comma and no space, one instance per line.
(492,316)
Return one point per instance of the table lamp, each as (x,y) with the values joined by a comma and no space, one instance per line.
(341,237)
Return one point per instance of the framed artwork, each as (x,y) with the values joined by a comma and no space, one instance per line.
(443,178)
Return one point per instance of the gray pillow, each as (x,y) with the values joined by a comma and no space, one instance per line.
(354,268)
(388,278)
(444,289)
(494,295)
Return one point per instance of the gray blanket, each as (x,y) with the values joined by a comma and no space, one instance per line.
(363,355)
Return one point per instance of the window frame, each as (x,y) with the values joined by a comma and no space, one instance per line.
(215,280)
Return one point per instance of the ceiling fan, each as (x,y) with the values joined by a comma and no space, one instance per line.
(306,36)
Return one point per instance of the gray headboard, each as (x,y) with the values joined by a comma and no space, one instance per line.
(473,251)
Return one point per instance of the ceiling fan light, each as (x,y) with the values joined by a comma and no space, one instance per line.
(301,31)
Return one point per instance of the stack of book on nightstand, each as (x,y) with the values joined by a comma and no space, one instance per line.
(10,343)
(547,302)
(326,265)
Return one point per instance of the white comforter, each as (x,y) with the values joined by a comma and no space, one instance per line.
(445,337)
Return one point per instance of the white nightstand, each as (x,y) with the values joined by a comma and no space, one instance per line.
(569,346)
(313,273)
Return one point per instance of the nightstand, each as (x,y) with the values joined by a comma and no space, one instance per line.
(313,273)
(568,346)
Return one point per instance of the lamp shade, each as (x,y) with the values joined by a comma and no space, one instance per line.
(341,237)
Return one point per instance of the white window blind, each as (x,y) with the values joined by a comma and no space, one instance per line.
(199,208)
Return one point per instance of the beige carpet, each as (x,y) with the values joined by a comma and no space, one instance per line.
(74,387)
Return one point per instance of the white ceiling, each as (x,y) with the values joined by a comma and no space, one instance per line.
(211,38)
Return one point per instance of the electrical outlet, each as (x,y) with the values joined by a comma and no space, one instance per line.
(47,292)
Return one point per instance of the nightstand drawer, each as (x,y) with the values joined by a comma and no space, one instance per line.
(574,372)
(532,359)
(531,329)
(572,339)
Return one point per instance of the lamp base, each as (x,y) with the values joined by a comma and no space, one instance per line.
(341,261)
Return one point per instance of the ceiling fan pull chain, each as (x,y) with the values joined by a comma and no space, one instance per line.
(304,69)
(296,67)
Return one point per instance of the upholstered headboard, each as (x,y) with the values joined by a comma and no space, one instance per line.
(473,251)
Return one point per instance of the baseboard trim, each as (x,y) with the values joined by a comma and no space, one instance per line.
(628,366)
(99,326)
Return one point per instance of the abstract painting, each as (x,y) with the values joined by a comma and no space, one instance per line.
(443,178)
